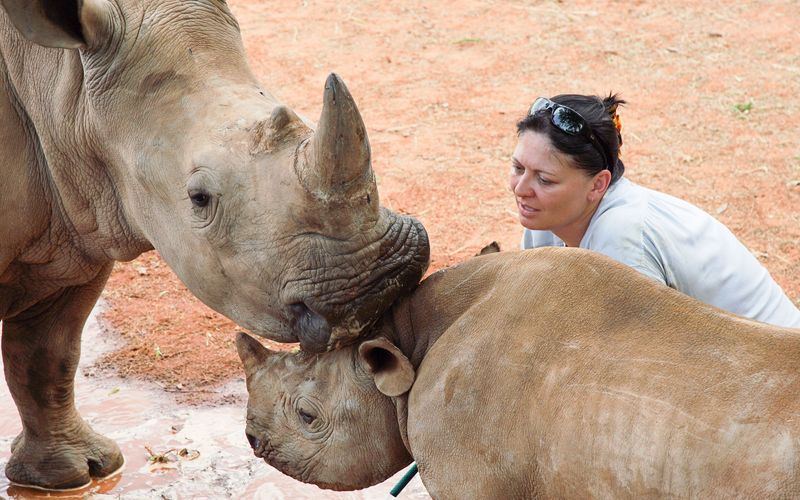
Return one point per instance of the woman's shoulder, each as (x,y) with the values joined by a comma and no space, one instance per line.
(630,203)
(625,206)
(621,226)
(618,223)
(670,215)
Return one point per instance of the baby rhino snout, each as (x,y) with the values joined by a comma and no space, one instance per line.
(255,443)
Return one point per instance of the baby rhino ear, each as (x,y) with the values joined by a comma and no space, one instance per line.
(251,352)
(390,368)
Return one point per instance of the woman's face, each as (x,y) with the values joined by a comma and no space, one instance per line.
(551,193)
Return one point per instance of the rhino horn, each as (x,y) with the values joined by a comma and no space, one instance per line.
(337,158)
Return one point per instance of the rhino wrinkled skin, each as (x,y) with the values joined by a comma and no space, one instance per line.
(137,124)
(550,373)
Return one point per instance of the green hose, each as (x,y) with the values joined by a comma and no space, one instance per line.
(412,471)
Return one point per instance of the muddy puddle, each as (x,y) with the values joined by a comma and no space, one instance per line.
(217,462)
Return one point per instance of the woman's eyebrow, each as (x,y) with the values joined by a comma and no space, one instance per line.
(516,163)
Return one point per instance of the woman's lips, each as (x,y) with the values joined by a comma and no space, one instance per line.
(526,210)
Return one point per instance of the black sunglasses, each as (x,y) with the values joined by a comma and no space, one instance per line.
(570,122)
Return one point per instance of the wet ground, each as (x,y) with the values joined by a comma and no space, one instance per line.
(139,416)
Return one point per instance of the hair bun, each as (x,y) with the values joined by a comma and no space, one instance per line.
(611,103)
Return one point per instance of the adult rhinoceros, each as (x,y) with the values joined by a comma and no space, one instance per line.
(133,125)
(549,373)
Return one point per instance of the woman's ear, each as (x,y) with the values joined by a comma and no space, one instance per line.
(65,24)
(600,183)
(390,368)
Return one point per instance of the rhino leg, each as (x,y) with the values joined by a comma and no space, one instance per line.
(41,348)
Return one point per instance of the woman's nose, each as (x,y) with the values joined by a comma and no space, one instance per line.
(521,186)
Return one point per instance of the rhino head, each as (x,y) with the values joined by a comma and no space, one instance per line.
(327,419)
(266,218)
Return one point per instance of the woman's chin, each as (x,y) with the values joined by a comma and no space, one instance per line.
(531,222)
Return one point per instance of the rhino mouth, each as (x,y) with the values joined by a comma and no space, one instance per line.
(270,455)
(333,317)
(310,328)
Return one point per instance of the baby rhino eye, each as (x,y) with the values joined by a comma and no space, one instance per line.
(199,198)
(306,417)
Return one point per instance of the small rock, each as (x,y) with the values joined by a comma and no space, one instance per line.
(188,454)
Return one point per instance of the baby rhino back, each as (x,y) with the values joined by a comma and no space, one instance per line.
(585,379)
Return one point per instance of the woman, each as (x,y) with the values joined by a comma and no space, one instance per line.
(568,181)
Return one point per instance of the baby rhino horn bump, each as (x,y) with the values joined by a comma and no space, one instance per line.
(390,368)
(251,352)
(337,159)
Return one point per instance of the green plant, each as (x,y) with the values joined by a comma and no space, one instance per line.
(744,107)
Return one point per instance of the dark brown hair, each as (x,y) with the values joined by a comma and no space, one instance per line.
(598,113)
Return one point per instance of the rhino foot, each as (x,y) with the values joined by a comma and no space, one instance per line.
(66,463)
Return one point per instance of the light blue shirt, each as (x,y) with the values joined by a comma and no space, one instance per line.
(683,247)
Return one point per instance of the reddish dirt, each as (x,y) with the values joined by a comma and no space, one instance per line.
(441,85)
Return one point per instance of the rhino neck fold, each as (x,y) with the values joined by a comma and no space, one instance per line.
(70,167)
(414,344)
(419,319)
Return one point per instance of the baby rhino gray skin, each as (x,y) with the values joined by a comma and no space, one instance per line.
(552,373)
(137,124)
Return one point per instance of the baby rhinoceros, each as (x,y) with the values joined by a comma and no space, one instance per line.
(545,373)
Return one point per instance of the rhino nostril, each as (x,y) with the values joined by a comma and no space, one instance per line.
(255,443)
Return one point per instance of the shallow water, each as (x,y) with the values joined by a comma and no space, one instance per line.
(136,415)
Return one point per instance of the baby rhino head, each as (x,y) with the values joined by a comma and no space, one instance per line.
(327,419)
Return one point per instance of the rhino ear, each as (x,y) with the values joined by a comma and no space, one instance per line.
(390,368)
(251,352)
(492,247)
(66,24)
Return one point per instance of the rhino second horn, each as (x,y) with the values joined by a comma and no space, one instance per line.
(337,159)
(283,127)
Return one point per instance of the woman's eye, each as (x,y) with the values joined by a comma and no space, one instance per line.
(518,169)
(544,181)
(306,417)
(200,199)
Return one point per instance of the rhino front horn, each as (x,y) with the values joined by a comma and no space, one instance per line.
(337,163)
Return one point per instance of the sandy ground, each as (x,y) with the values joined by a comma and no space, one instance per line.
(712,117)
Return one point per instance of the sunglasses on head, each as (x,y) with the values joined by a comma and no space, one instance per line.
(570,122)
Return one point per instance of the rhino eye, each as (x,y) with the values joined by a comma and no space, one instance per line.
(200,199)
(306,417)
